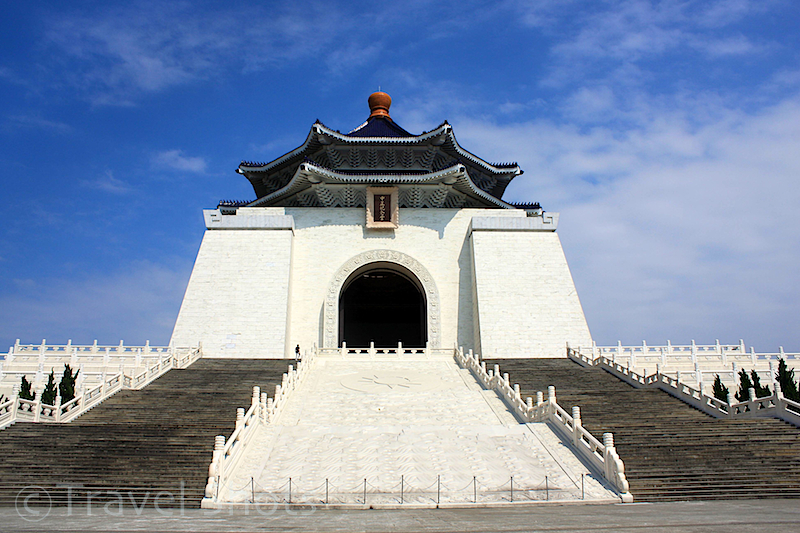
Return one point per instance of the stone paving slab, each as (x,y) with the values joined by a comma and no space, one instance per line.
(730,516)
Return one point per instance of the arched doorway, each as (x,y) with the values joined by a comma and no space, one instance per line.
(382,303)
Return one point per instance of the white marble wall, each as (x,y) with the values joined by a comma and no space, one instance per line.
(237,301)
(527,302)
(259,292)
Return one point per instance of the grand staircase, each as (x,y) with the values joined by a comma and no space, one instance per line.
(137,443)
(671,451)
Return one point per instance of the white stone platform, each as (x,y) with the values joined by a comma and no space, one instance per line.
(420,431)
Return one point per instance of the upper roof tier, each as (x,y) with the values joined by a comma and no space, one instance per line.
(379,152)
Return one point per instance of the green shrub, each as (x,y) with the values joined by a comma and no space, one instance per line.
(761,392)
(49,392)
(785,378)
(67,385)
(25,389)
(744,386)
(721,392)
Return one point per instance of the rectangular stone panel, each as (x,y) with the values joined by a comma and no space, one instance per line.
(527,305)
(237,300)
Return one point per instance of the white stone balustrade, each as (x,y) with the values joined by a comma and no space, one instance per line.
(698,364)
(602,456)
(384,353)
(88,396)
(35,360)
(263,410)
(775,405)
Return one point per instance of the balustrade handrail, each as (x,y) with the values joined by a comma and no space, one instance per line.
(776,405)
(372,351)
(602,456)
(263,411)
(37,411)
(94,348)
(692,352)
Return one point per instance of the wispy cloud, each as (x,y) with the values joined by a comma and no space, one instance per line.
(15,122)
(8,75)
(135,305)
(589,39)
(108,183)
(175,160)
(121,53)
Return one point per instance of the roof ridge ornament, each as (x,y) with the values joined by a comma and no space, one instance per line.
(379,104)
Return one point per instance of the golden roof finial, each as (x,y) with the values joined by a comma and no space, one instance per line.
(379,104)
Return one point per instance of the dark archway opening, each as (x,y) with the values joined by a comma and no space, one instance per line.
(384,306)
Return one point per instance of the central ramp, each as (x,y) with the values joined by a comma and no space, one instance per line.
(404,431)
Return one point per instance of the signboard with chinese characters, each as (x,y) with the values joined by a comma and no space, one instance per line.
(382,208)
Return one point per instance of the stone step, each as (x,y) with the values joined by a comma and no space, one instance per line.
(138,442)
(671,451)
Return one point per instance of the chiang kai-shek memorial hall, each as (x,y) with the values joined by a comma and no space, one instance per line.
(379,235)
(379,328)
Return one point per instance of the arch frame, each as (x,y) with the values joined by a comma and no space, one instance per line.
(330,335)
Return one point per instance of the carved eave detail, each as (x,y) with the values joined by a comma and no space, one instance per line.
(315,186)
(422,154)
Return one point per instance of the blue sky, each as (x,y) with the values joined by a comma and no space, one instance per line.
(666,133)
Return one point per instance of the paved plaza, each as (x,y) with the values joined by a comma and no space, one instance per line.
(762,516)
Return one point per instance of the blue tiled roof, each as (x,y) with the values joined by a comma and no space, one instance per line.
(233,203)
(379,127)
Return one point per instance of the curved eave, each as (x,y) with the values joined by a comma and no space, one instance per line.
(309,174)
(297,152)
(445,129)
(319,129)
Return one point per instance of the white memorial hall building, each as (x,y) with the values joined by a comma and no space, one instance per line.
(380,235)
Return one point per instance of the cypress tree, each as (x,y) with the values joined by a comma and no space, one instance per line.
(67,385)
(49,392)
(25,389)
(721,392)
(761,392)
(744,386)
(785,378)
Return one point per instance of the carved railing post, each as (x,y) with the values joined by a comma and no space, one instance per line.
(576,425)
(57,413)
(214,469)
(608,444)
(256,395)
(37,414)
(15,401)
(42,349)
(551,399)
